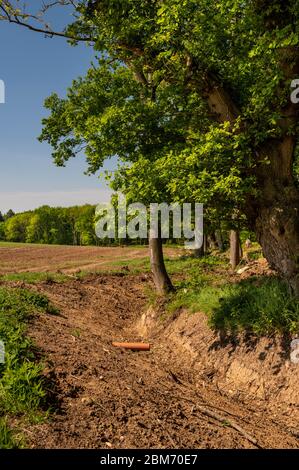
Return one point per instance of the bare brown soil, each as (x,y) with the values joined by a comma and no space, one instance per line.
(106,397)
(189,391)
(67,259)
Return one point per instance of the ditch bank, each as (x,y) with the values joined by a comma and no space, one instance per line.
(180,394)
(242,365)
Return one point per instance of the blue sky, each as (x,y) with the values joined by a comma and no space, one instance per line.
(33,67)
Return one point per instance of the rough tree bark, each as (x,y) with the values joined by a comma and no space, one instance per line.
(274,213)
(276,220)
(161,279)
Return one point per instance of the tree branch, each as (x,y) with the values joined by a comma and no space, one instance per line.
(20,21)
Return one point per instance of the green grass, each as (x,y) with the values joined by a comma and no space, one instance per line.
(254,252)
(7,439)
(139,265)
(189,265)
(184,264)
(196,276)
(262,305)
(35,277)
(22,394)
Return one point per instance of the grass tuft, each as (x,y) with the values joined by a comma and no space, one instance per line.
(35,277)
(22,395)
(7,439)
(262,305)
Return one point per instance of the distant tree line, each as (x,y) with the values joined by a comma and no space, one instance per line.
(60,226)
(76,226)
(51,225)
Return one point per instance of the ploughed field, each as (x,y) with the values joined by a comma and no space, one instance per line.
(21,258)
(106,397)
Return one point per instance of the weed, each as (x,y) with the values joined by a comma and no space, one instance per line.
(7,440)
(76,333)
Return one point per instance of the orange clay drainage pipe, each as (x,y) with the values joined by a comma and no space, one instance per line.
(134,346)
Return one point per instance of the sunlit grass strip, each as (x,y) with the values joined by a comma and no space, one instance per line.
(262,305)
(35,277)
(22,394)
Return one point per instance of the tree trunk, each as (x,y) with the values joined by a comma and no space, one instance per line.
(199,252)
(212,240)
(234,249)
(205,243)
(277,230)
(161,279)
(275,213)
(240,248)
(219,240)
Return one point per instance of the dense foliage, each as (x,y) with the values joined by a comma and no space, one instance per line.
(59,226)
(51,225)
